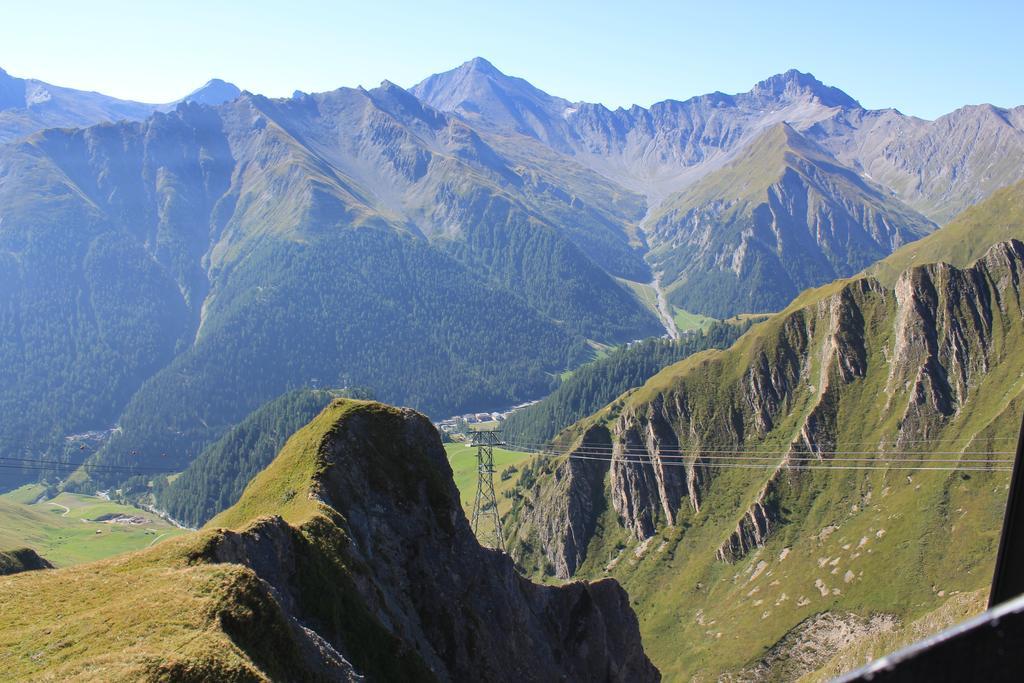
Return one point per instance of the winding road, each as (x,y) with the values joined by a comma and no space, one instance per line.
(66,508)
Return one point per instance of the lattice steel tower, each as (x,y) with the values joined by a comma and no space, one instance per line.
(486,520)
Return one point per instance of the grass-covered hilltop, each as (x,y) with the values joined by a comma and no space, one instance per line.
(348,556)
(770,508)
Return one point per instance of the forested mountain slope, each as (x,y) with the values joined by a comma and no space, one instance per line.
(150,267)
(595,384)
(214,481)
(348,557)
(706,490)
(452,248)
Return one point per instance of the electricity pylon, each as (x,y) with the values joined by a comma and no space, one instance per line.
(486,521)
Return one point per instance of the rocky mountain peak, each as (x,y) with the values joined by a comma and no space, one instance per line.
(215,91)
(795,84)
(380,476)
(479,87)
(481,65)
(348,558)
(402,104)
(12,91)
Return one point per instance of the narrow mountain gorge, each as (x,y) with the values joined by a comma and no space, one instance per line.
(306,578)
(704,490)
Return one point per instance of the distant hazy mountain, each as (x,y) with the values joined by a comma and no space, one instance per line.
(876,179)
(28,105)
(214,92)
(652,151)
(938,167)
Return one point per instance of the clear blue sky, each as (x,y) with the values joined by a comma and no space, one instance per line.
(924,58)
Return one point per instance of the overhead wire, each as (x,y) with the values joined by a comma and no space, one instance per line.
(745,451)
(736,462)
(43,464)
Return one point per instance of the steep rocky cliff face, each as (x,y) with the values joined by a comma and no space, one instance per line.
(783,217)
(560,520)
(21,560)
(909,395)
(353,553)
(927,344)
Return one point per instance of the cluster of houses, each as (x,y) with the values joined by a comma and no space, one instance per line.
(460,424)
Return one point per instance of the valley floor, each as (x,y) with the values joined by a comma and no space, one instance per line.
(462,458)
(72,528)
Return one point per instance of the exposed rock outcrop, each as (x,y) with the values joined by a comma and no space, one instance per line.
(407,557)
(349,557)
(561,523)
(21,560)
(924,346)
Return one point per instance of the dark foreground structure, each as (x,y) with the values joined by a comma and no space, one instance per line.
(989,647)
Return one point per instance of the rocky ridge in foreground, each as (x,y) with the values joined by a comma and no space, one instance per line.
(348,557)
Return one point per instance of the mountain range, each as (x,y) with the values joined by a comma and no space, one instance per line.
(28,105)
(453,246)
(934,168)
(182,286)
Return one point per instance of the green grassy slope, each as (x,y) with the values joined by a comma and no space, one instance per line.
(690,322)
(343,555)
(215,480)
(963,239)
(463,461)
(892,541)
(180,614)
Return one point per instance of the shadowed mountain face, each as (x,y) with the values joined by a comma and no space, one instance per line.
(349,558)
